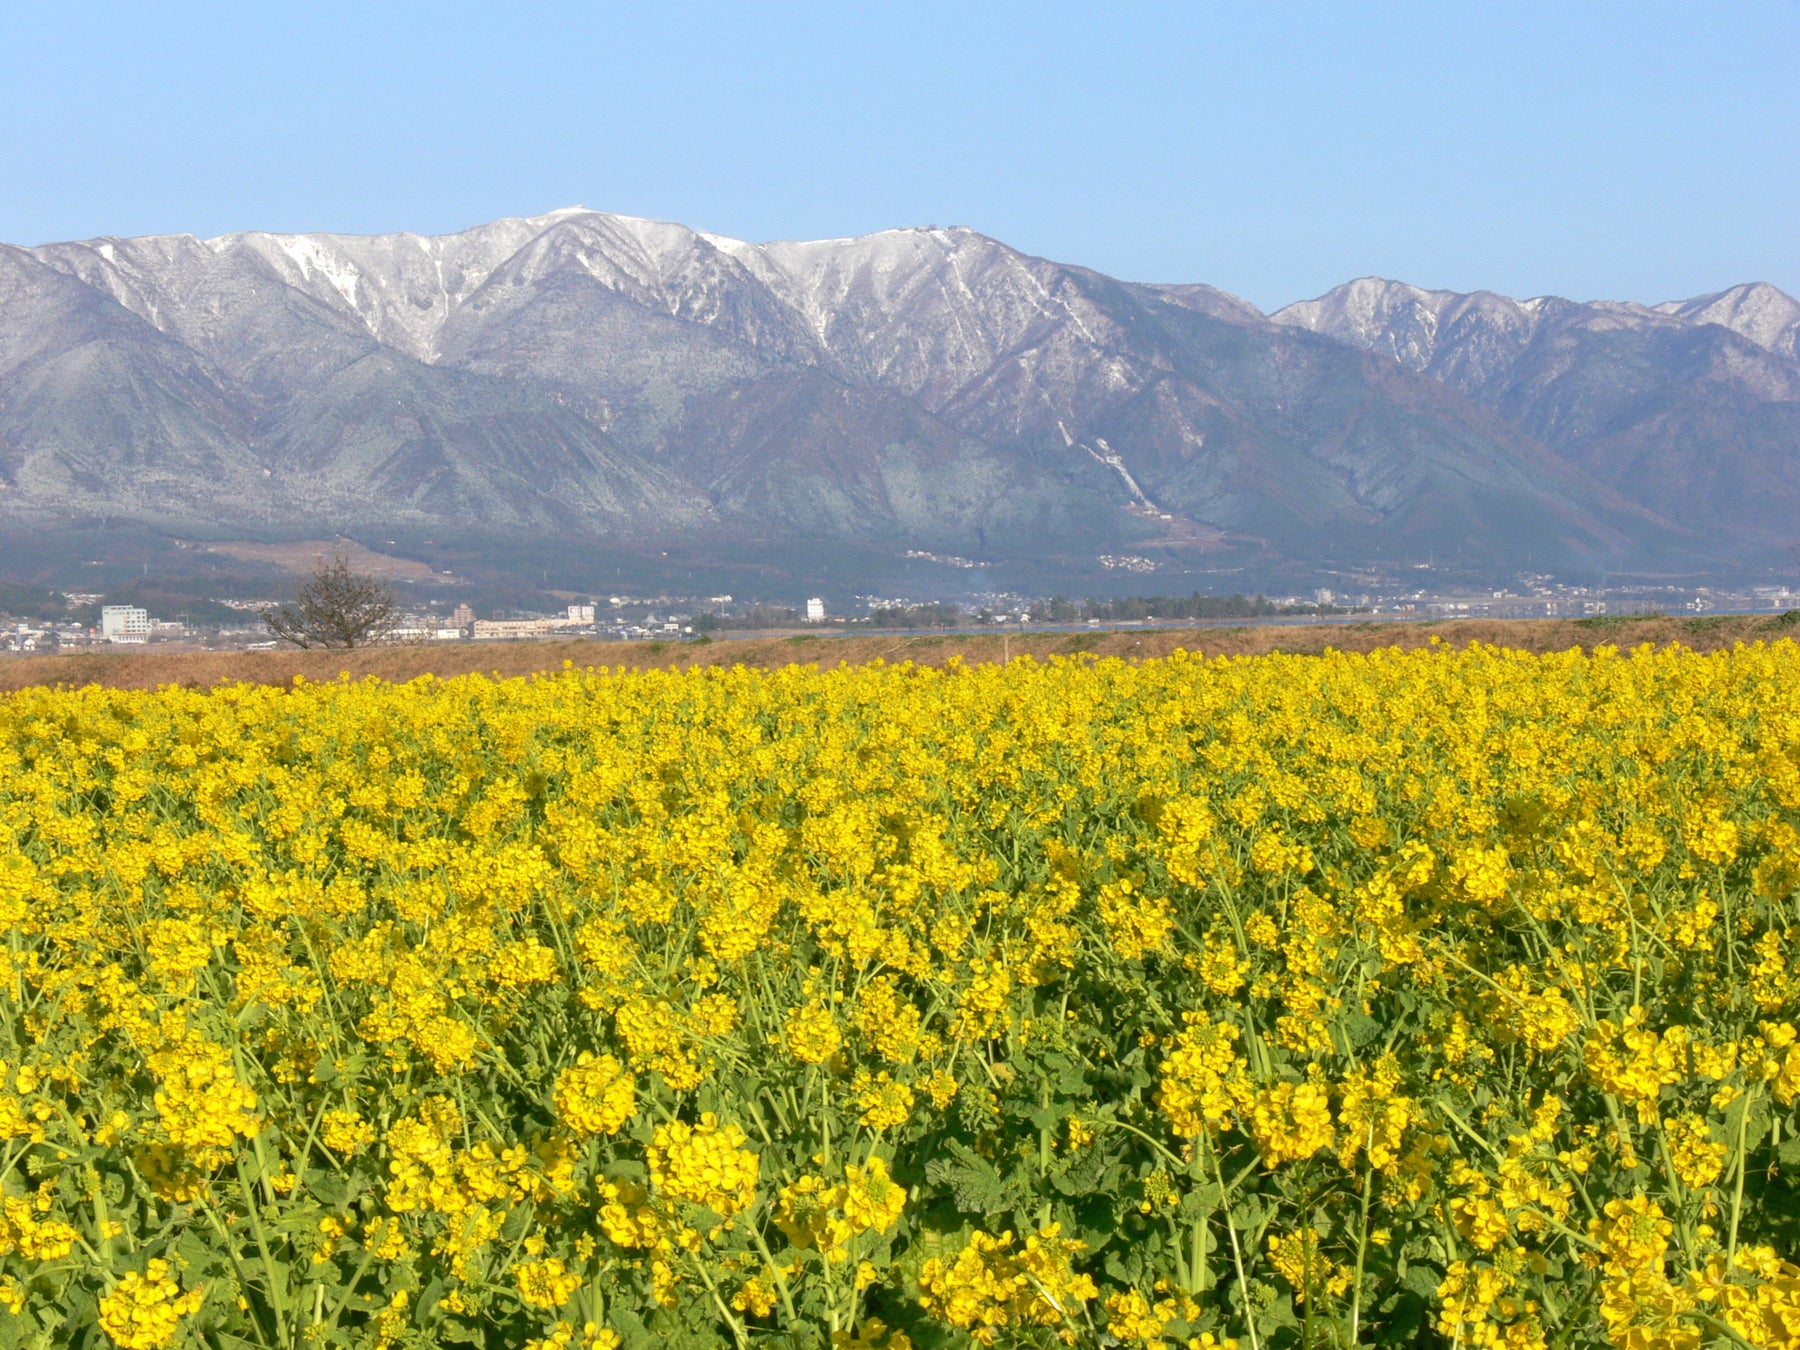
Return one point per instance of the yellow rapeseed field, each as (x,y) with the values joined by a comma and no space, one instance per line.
(1437,998)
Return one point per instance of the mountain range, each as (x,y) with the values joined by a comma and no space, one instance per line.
(597,380)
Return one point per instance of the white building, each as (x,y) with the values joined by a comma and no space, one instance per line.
(581,613)
(514,628)
(815,610)
(124,623)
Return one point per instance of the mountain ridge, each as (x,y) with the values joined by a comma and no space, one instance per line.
(620,379)
(1692,408)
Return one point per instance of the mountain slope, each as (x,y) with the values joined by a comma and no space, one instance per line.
(1768,317)
(601,377)
(1691,409)
(1035,361)
(100,412)
(330,426)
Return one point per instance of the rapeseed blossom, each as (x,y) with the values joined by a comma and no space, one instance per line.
(144,1311)
(1182,1002)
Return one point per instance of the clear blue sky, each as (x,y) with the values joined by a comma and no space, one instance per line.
(1640,150)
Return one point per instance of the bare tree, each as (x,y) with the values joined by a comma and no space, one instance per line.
(335,607)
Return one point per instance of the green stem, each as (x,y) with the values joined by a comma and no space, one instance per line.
(270,1273)
(243,1276)
(781,1284)
(1237,1254)
(350,1289)
(1148,1139)
(737,1331)
(1737,1198)
(1362,1237)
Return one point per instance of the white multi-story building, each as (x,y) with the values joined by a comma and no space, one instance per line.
(815,610)
(581,613)
(124,623)
(514,628)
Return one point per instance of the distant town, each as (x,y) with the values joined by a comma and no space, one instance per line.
(92,621)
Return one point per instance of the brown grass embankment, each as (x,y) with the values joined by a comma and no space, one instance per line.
(149,669)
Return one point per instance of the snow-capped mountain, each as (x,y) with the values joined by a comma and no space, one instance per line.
(1768,317)
(601,376)
(1690,408)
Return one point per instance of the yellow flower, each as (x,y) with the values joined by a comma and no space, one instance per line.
(346,1132)
(991,1284)
(1201,1078)
(755,1296)
(1291,1121)
(1297,1258)
(144,1311)
(807,1212)
(1136,923)
(872,1199)
(1472,936)
(1134,1317)
(812,1034)
(596,1095)
(546,1283)
(704,1164)
(1712,838)
(885,1103)
(202,1105)
(1697,1158)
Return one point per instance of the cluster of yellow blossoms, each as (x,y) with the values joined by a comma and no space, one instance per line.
(993,1284)
(1177,1004)
(144,1310)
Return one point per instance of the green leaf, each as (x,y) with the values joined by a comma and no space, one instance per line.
(1249,1213)
(18,1332)
(627,1169)
(1091,1172)
(975,1184)
(1422,1280)
(1762,1117)
(198,1251)
(1198,1204)
(631,1329)
(1277,1309)
(1361,1029)
(1047,1118)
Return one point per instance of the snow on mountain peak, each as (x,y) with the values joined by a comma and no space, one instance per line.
(402,289)
(1766,315)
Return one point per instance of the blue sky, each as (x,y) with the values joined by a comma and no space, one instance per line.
(1638,151)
